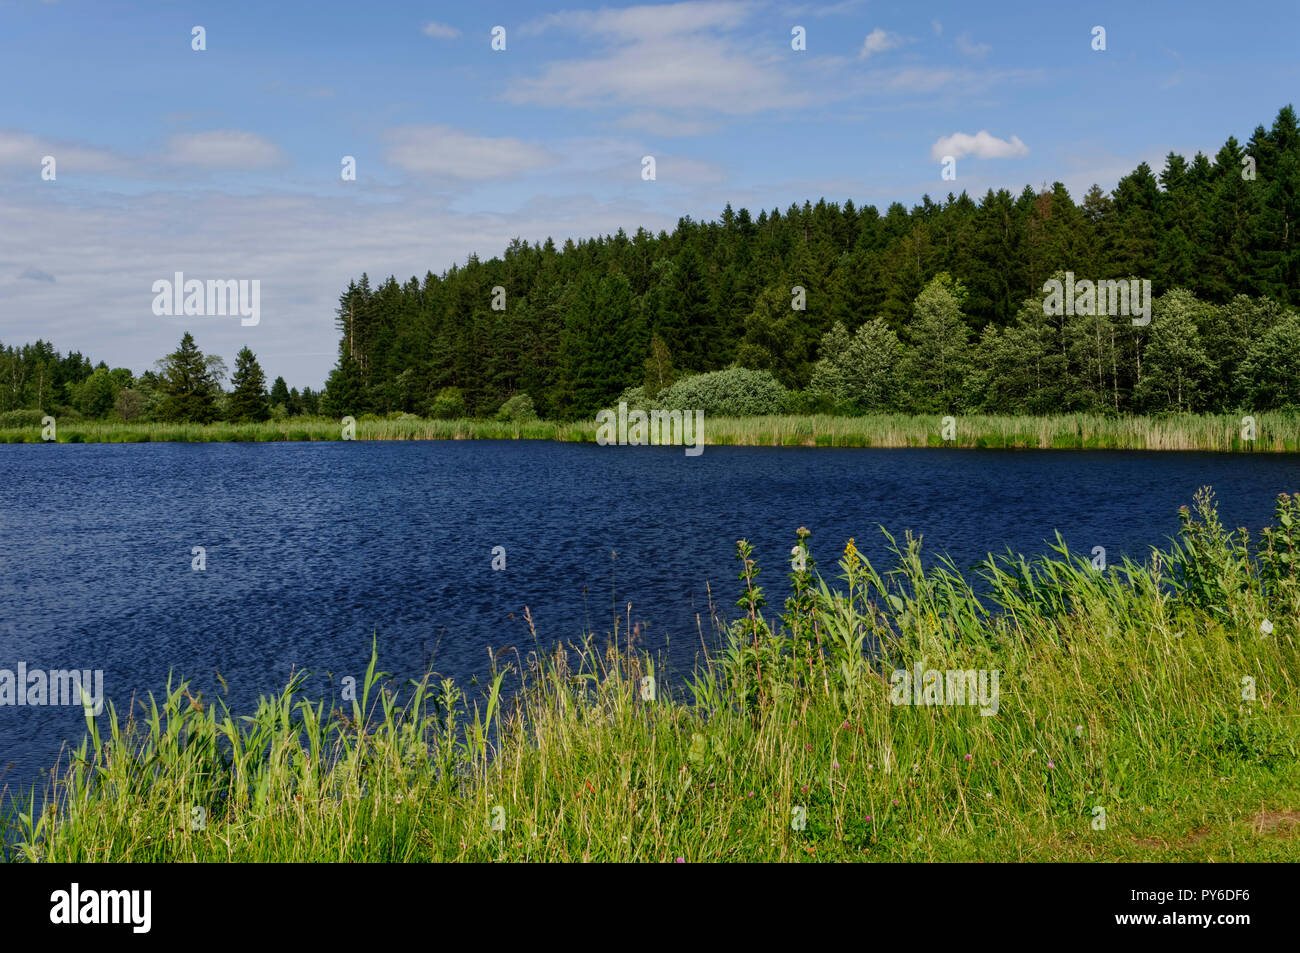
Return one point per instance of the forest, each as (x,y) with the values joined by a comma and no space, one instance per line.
(827,308)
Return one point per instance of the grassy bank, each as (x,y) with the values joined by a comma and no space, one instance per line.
(1163,694)
(1274,431)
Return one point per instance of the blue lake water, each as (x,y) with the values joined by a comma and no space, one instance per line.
(312,548)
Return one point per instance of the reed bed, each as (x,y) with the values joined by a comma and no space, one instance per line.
(1277,431)
(1147,711)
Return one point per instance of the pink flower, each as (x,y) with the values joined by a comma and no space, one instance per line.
(835,764)
(968,757)
(895,802)
(868,818)
(805,789)
(1050,765)
(845,725)
(681,860)
(808,747)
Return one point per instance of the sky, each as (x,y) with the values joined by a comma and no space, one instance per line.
(226,162)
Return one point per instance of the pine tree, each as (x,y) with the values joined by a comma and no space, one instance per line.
(248,400)
(280,393)
(188,384)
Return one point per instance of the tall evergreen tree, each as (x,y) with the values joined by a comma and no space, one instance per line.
(248,401)
(188,384)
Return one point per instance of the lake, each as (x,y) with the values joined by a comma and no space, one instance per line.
(313,548)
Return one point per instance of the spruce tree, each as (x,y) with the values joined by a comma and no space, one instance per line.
(280,393)
(249,400)
(188,385)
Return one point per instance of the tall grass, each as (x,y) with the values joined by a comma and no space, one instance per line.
(1275,431)
(1146,711)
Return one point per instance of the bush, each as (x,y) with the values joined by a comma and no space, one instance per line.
(63,413)
(449,404)
(20,418)
(517,409)
(635,398)
(735,392)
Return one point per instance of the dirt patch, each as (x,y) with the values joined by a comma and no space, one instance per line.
(1277,822)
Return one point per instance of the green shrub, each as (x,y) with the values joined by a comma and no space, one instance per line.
(21,418)
(635,398)
(449,404)
(735,392)
(517,409)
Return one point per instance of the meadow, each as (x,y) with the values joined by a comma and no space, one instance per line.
(1146,711)
(1277,431)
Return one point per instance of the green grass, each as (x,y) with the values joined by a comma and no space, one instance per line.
(1120,689)
(1275,431)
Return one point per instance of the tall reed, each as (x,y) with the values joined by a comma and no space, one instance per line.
(1147,710)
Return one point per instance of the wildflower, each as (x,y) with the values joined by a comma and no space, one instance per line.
(804,789)
(808,747)
(868,818)
(751,793)
(895,802)
(835,764)
(851,554)
(1078,731)
(968,757)
(845,725)
(1050,764)
(681,860)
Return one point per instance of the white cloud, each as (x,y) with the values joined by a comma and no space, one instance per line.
(223,148)
(970,48)
(18,149)
(440,31)
(441,151)
(678,58)
(659,124)
(938,27)
(878,41)
(981,146)
(644,23)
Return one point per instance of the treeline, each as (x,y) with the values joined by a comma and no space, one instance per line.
(574,327)
(185,386)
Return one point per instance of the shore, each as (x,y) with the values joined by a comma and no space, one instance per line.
(1274,432)
(1146,712)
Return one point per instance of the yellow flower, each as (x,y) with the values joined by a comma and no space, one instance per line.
(851,552)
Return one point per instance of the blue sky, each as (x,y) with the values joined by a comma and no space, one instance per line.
(225,163)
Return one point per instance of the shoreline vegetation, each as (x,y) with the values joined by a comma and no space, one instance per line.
(1142,712)
(1275,431)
